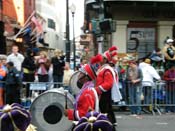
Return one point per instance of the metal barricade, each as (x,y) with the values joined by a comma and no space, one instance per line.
(140,96)
(165,96)
(157,97)
(31,90)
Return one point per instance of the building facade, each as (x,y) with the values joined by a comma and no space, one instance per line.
(54,26)
(141,25)
(14,13)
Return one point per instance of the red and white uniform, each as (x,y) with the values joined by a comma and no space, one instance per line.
(107,79)
(104,80)
(85,100)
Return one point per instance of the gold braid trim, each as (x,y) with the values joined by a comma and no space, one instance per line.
(22,113)
(91,126)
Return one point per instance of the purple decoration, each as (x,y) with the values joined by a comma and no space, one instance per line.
(94,121)
(15,116)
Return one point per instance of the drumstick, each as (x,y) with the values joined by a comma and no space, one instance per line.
(65,99)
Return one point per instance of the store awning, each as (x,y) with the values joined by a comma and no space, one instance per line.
(89,1)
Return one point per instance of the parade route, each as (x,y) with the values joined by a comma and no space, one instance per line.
(145,122)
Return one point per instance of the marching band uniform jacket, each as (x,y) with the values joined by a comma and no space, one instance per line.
(85,100)
(104,81)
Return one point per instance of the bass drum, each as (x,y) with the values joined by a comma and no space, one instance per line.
(73,83)
(47,111)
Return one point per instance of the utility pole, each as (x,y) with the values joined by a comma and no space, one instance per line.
(67,33)
(101,17)
(73,9)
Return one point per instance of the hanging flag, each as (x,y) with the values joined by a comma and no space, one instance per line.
(38,24)
(26,24)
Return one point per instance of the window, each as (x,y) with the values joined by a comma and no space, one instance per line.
(51,24)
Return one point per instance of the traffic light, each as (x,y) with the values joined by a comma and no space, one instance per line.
(107,26)
(103,26)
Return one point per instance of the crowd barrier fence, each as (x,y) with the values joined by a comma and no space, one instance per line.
(153,97)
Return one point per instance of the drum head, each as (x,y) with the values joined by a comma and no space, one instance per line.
(73,83)
(47,111)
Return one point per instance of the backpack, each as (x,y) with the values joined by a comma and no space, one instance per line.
(170,52)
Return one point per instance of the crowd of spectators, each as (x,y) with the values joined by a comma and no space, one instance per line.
(139,80)
(136,77)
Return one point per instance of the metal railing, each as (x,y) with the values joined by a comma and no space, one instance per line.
(30,90)
(153,97)
(157,97)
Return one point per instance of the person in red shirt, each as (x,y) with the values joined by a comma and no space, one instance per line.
(106,77)
(87,99)
(2,76)
(169,76)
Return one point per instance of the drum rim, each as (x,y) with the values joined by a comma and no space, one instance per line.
(49,91)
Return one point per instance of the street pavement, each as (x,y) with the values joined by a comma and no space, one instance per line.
(145,122)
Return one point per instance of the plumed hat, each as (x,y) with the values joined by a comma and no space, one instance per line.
(107,55)
(113,48)
(114,55)
(94,121)
(88,70)
(97,59)
(14,118)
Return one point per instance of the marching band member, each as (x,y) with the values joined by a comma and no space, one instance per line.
(87,99)
(106,82)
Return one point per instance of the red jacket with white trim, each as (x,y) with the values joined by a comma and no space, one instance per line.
(85,102)
(104,81)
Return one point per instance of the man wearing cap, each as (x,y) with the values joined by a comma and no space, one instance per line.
(169,53)
(87,99)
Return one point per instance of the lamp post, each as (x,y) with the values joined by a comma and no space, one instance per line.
(73,9)
(67,33)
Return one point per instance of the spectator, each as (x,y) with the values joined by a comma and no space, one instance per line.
(16,57)
(67,75)
(29,68)
(4,61)
(2,76)
(13,84)
(122,69)
(149,73)
(134,77)
(83,62)
(43,65)
(156,55)
(168,52)
(169,76)
(58,64)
